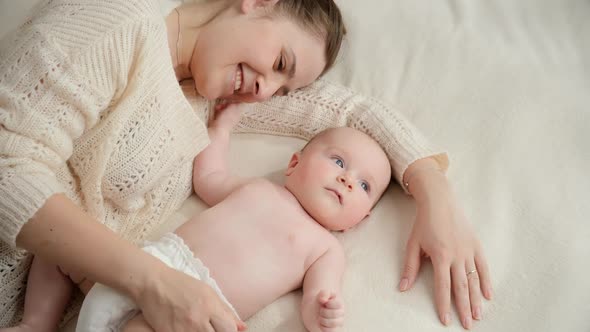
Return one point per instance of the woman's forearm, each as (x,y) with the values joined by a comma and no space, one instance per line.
(64,234)
(321,105)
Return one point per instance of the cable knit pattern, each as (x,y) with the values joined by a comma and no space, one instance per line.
(90,107)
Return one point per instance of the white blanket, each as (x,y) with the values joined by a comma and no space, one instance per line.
(504,86)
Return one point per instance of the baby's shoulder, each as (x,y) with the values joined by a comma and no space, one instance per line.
(260,184)
(256,188)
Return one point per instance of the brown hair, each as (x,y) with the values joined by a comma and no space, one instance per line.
(321,17)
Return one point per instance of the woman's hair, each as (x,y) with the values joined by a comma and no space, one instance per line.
(321,17)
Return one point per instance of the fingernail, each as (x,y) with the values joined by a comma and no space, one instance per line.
(490,293)
(477,313)
(447,319)
(403,285)
(467,322)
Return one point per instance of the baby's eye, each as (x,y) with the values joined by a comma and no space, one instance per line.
(365,186)
(339,162)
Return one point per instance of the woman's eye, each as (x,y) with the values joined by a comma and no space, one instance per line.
(365,186)
(339,162)
(281,63)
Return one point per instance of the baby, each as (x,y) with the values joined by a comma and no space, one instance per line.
(261,240)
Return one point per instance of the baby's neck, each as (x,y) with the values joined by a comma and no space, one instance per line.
(292,197)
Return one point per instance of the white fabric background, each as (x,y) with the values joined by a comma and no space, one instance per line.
(504,86)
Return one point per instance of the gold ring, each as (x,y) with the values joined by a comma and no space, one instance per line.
(472,271)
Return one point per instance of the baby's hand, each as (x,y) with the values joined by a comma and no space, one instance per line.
(226,116)
(331,315)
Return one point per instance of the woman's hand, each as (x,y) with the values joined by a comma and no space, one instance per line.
(172,301)
(441,232)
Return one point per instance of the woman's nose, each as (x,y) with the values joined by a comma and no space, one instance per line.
(266,87)
(346,181)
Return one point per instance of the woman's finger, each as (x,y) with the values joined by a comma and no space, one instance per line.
(411,266)
(484,274)
(442,290)
(226,319)
(474,289)
(202,327)
(219,324)
(461,292)
(240,325)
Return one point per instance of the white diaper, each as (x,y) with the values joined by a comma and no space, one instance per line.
(106,310)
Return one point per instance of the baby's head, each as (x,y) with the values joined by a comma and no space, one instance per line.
(338,177)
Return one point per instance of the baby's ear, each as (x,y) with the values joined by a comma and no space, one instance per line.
(293,163)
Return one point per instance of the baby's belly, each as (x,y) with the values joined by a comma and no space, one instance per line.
(251,268)
(253,283)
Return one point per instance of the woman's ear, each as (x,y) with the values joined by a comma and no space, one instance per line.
(249,5)
(293,163)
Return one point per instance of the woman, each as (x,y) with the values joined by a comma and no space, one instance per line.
(94,127)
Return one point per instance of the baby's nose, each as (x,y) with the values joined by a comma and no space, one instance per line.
(345,181)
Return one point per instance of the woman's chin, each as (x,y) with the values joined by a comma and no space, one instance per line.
(205,91)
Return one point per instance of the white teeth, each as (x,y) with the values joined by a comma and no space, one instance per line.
(238,82)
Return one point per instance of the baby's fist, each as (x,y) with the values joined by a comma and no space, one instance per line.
(226,115)
(331,315)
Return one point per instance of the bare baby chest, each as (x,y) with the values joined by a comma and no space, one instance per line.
(257,243)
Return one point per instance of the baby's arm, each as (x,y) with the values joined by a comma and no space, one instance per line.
(212,180)
(322,308)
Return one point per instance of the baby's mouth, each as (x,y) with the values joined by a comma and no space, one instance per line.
(335,193)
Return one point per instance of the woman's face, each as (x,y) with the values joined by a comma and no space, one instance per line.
(243,57)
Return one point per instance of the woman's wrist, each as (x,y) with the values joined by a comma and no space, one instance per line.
(425,180)
(142,276)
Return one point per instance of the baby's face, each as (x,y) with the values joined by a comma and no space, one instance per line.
(338,177)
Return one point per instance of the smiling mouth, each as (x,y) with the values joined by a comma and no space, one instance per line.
(238,78)
(336,194)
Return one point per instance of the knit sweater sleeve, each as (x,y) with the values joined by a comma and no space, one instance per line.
(305,112)
(55,80)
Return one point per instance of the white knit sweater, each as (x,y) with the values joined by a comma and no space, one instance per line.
(90,107)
